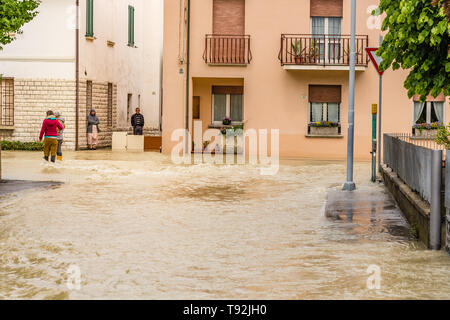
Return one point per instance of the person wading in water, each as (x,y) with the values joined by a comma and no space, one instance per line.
(49,132)
(60,135)
(137,122)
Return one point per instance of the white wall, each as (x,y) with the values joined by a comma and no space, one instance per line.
(134,70)
(46,49)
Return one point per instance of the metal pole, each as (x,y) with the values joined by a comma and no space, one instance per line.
(380,103)
(350,185)
(435,210)
(188,75)
(374,142)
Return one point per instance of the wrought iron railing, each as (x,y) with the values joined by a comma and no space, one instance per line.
(227,49)
(325,50)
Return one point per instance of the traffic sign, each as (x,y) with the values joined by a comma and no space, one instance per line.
(376,60)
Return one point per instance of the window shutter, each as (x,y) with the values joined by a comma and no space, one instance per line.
(228,90)
(326,8)
(325,93)
(89,18)
(130,25)
(229,17)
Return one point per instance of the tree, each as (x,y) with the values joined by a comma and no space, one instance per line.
(13,15)
(417,40)
(445,4)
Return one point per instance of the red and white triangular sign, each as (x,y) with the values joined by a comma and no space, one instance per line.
(376,60)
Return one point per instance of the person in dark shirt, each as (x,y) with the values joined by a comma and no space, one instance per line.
(137,122)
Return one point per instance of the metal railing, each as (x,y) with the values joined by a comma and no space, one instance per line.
(227,49)
(418,163)
(425,139)
(325,50)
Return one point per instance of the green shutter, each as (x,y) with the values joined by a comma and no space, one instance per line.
(89,18)
(130,25)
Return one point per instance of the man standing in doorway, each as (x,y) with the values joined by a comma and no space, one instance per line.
(137,122)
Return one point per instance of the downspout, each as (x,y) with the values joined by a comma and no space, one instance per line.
(188,73)
(77,76)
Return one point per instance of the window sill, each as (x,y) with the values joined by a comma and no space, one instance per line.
(336,136)
(221,126)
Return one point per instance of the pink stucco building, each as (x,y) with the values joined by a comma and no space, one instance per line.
(281,65)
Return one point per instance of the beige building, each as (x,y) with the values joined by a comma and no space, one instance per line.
(112,64)
(281,65)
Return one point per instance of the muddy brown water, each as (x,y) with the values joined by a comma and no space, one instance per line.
(139,227)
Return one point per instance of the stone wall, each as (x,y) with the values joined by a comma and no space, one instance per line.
(33,97)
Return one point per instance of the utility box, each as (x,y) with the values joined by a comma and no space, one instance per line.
(135,143)
(119,141)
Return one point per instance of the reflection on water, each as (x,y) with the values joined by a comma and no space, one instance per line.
(139,227)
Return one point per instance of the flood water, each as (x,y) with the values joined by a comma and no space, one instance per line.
(138,227)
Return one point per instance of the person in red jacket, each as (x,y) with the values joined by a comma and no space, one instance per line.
(49,131)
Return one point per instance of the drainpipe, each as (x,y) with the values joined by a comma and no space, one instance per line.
(77,75)
(188,73)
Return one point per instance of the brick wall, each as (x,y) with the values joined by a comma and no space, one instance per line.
(33,97)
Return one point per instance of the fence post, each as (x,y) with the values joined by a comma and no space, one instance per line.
(435,210)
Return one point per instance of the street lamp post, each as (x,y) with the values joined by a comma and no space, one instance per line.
(350,185)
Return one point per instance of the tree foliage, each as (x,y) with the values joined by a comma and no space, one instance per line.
(417,40)
(13,15)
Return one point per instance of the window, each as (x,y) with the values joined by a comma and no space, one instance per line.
(229,17)
(325,103)
(326,33)
(325,112)
(428,112)
(131,26)
(89,18)
(110,105)
(227,102)
(88,98)
(7,102)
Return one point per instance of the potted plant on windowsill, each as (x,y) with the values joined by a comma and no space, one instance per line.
(324,128)
(227,121)
(298,52)
(426,130)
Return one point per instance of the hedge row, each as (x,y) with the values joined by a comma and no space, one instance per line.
(22,146)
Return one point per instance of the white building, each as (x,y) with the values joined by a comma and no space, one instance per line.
(118,57)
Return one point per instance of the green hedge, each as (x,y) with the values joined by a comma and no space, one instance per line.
(23,146)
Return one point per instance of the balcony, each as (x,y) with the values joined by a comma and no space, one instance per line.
(321,52)
(227,50)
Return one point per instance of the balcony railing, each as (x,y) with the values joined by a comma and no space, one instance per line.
(321,50)
(227,49)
